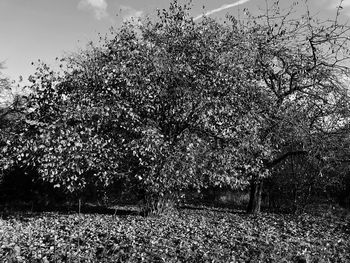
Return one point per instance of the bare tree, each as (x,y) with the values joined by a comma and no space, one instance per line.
(301,63)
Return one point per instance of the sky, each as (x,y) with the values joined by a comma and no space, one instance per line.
(46,29)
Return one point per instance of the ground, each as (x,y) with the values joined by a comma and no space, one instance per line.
(201,235)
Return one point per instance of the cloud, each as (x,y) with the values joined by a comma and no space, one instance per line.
(130,13)
(98,7)
(240,2)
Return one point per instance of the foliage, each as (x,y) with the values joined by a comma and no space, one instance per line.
(171,104)
(4,81)
(12,110)
(147,108)
(190,236)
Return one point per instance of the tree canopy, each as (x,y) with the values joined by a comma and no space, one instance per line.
(171,104)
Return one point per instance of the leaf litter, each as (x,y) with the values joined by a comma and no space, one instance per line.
(186,236)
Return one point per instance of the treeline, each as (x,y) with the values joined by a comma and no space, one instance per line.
(170,105)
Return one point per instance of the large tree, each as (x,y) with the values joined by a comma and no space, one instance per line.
(301,64)
(171,104)
(165,105)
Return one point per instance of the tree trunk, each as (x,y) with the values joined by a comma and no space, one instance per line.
(254,205)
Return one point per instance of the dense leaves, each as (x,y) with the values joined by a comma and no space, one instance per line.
(168,110)
(190,236)
(171,104)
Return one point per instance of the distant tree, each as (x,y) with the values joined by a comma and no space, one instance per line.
(4,83)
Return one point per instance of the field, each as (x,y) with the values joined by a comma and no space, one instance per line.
(200,235)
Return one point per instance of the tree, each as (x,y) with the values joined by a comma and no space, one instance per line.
(3,80)
(158,104)
(4,84)
(300,64)
(171,104)
(11,113)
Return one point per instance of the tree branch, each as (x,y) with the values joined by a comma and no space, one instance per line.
(270,164)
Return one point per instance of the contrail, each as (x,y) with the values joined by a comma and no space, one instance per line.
(240,2)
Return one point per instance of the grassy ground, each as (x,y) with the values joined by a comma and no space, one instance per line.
(185,236)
